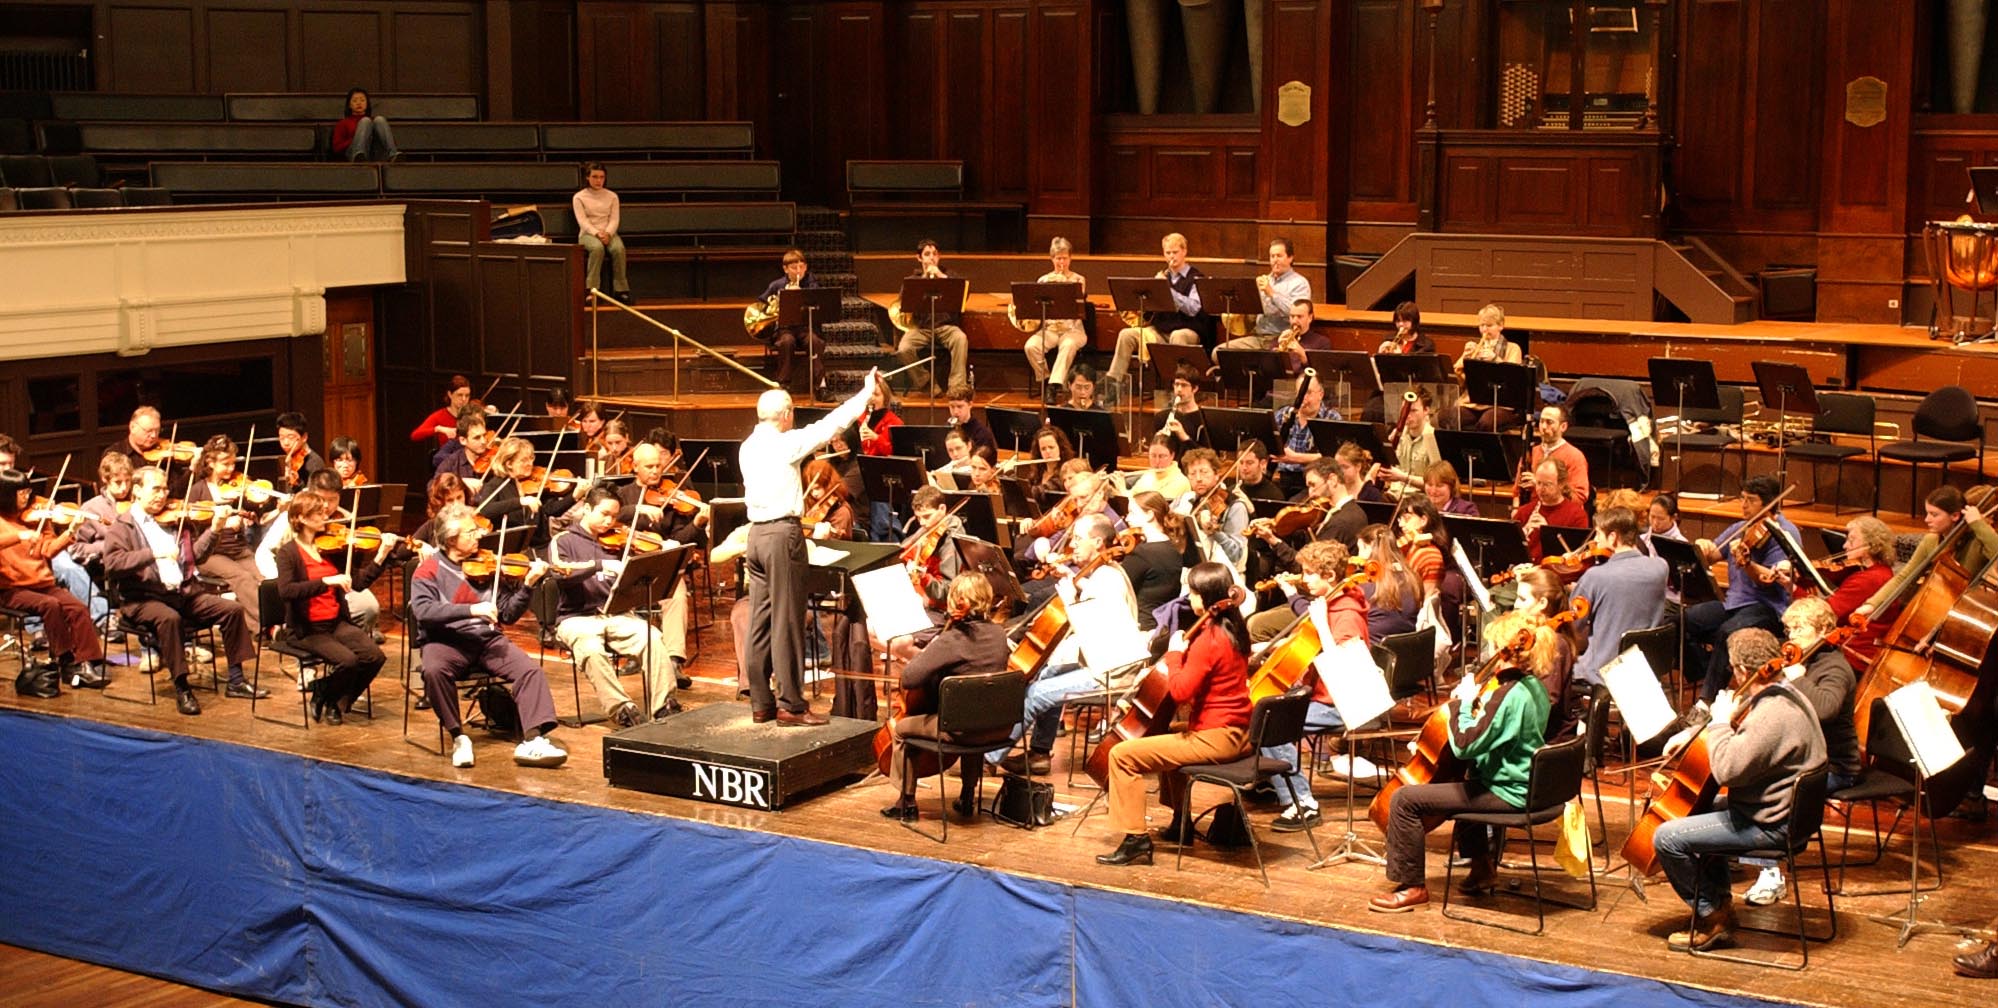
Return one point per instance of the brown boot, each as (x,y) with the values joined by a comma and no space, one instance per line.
(1716,930)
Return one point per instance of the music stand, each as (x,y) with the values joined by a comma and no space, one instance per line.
(1688,384)
(892,480)
(1789,387)
(720,461)
(645,579)
(514,540)
(1498,384)
(1494,544)
(975,513)
(1044,302)
(1378,512)
(920,298)
(1686,572)
(1267,507)
(1232,296)
(989,560)
(1346,375)
(1244,368)
(1229,429)
(1144,297)
(1558,540)
(1018,496)
(725,515)
(922,441)
(1093,432)
(1328,435)
(1017,425)
(801,308)
(1799,562)
(1474,451)
(1167,357)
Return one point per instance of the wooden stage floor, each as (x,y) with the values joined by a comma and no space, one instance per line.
(1624,935)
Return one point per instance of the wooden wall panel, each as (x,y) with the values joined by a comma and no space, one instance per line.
(1711,102)
(1295,180)
(617,61)
(1383,110)
(150,49)
(1510,182)
(247,50)
(1865,167)
(434,51)
(338,49)
(917,84)
(1181,173)
(219,46)
(680,77)
(1060,94)
(1790,36)
(966,108)
(1008,145)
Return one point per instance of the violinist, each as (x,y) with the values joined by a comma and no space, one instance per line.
(28,583)
(586,571)
(1207,677)
(1626,592)
(1415,448)
(315,591)
(1338,611)
(142,437)
(1445,490)
(362,607)
(1182,419)
(969,644)
(1868,564)
(67,565)
(1098,591)
(457,627)
(469,457)
(1553,443)
(1160,558)
(932,568)
(1252,472)
(1394,594)
(1408,336)
(508,497)
(1333,511)
(236,526)
(1218,512)
(1762,736)
(1163,476)
(1756,595)
(1052,449)
(587,421)
(442,424)
(1423,540)
(647,506)
(1944,509)
(114,495)
(300,461)
(1491,345)
(152,566)
(1552,503)
(1495,727)
(344,455)
(557,408)
(443,491)
(1088,493)
(611,454)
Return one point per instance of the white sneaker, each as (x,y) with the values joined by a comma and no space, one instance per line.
(539,752)
(1352,768)
(461,751)
(199,654)
(1768,888)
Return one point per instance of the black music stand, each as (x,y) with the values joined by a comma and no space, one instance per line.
(1045,302)
(991,561)
(1789,387)
(801,308)
(1016,426)
(726,514)
(892,480)
(1493,544)
(921,297)
(645,579)
(921,441)
(1328,435)
(1556,540)
(1247,369)
(1347,375)
(1498,384)
(1232,296)
(1687,384)
(1793,549)
(514,539)
(1229,429)
(1018,497)
(720,463)
(1477,452)
(1687,572)
(1379,512)
(1167,357)
(975,513)
(1143,296)
(1093,432)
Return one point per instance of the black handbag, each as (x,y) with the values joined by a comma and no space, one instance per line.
(1027,804)
(501,713)
(38,681)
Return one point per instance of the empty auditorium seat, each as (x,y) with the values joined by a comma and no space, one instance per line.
(325,106)
(211,181)
(29,105)
(8,203)
(25,171)
(148,196)
(16,137)
(96,106)
(199,139)
(686,179)
(602,141)
(458,139)
(76,171)
(43,198)
(56,136)
(96,199)
(928,180)
(530,180)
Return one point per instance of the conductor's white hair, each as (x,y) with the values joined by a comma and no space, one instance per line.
(772,404)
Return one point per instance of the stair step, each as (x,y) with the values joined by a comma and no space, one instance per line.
(818,218)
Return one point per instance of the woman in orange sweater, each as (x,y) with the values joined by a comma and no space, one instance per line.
(26,582)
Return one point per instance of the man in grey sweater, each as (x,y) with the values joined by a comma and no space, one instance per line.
(1758,762)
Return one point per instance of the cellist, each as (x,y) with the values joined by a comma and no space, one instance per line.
(1946,507)
(1337,610)
(970,643)
(1495,727)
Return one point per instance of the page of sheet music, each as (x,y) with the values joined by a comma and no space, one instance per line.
(1922,722)
(892,604)
(1634,688)
(1358,689)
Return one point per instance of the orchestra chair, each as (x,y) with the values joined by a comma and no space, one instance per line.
(1839,413)
(976,714)
(270,616)
(1092,710)
(18,637)
(1804,826)
(545,603)
(412,669)
(1276,721)
(1949,418)
(1889,776)
(1409,660)
(1733,407)
(1554,781)
(192,631)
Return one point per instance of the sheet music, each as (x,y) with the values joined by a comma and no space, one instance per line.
(1923,724)
(1634,687)
(1358,689)
(1471,575)
(1105,633)
(892,606)
(821,555)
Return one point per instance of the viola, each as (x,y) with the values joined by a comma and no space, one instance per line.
(1058,518)
(40,510)
(920,554)
(482,566)
(1586,556)
(617,536)
(483,462)
(177,511)
(179,451)
(560,482)
(337,536)
(359,479)
(258,491)
(1295,518)
(820,500)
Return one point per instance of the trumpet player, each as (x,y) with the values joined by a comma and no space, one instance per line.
(1298,336)
(1066,336)
(761,319)
(927,329)
(1282,288)
(1185,324)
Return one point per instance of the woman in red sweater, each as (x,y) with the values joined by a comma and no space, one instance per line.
(362,135)
(1208,677)
(441,426)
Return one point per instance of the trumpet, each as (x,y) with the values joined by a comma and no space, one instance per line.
(1288,341)
(1237,325)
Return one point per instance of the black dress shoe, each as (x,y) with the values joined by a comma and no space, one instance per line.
(423,701)
(184,701)
(1981,964)
(803,718)
(1136,847)
(966,806)
(333,713)
(245,691)
(901,812)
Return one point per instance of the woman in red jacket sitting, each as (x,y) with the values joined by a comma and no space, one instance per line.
(362,135)
(1208,677)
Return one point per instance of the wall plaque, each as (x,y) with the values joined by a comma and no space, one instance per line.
(1866,101)
(1294,103)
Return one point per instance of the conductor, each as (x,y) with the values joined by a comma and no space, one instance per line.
(775,560)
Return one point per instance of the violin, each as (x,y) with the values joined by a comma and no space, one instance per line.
(1586,555)
(177,511)
(41,510)
(820,499)
(337,536)
(179,451)
(1295,518)
(920,555)
(1058,518)
(483,462)
(482,566)
(259,491)
(617,536)
(560,482)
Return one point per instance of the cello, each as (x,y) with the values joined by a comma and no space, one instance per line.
(1290,661)
(1148,710)
(926,763)
(1431,760)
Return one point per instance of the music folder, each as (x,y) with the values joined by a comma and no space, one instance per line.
(924,298)
(1141,294)
(796,307)
(1230,296)
(1047,301)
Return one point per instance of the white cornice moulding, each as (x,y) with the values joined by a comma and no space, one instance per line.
(130,281)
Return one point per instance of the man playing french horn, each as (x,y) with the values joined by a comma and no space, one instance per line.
(1281,288)
(1183,325)
(1066,336)
(760,320)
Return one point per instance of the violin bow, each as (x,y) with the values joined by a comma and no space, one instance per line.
(173,434)
(43,525)
(181,525)
(249,452)
(493,591)
(353,533)
(554,450)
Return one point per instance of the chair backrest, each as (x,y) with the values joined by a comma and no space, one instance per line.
(1948,414)
(1659,645)
(983,703)
(94,199)
(270,607)
(1733,402)
(1279,720)
(1557,774)
(8,203)
(545,602)
(75,170)
(1595,728)
(1807,806)
(26,171)
(1414,661)
(1845,413)
(43,198)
